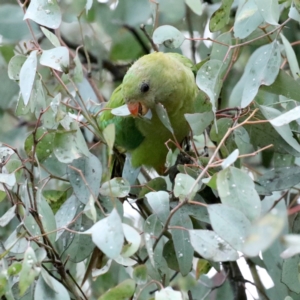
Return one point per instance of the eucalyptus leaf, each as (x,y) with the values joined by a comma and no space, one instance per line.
(221,16)
(56,58)
(8,216)
(264,232)
(44,12)
(181,239)
(27,76)
(116,187)
(248,18)
(111,239)
(51,37)
(210,246)
(224,219)
(168,35)
(236,189)
(84,174)
(159,202)
(208,80)
(163,116)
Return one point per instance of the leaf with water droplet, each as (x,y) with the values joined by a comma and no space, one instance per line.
(264,232)
(208,79)
(163,116)
(181,239)
(183,184)
(159,202)
(116,187)
(168,35)
(27,76)
(44,12)
(229,223)
(111,239)
(221,16)
(210,246)
(56,58)
(247,19)
(236,189)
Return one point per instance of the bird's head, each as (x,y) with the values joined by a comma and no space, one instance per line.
(145,84)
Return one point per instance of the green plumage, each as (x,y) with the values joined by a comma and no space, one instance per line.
(171,82)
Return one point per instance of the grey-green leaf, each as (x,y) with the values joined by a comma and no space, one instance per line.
(108,236)
(236,189)
(44,12)
(168,35)
(210,246)
(224,220)
(27,75)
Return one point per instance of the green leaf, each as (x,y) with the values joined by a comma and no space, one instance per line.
(111,239)
(116,187)
(56,58)
(156,184)
(44,147)
(210,246)
(284,130)
(44,12)
(291,57)
(262,69)
(66,213)
(247,19)
(224,220)
(168,294)
(279,179)
(70,145)
(152,229)
(54,292)
(27,76)
(12,24)
(51,37)
(269,10)
(290,273)
(199,121)
(84,175)
(181,239)
(182,186)
(163,116)
(221,16)
(230,159)
(78,72)
(287,117)
(8,216)
(29,270)
(15,65)
(264,232)
(133,238)
(122,291)
(14,269)
(47,217)
(140,274)
(196,6)
(109,134)
(159,202)
(220,50)
(284,85)
(236,189)
(169,36)
(208,79)
(292,242)
(80,246)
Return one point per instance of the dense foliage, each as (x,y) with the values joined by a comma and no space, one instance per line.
(73,228)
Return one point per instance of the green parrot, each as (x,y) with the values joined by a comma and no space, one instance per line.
(158,78)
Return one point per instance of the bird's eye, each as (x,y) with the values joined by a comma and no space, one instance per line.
(144,87)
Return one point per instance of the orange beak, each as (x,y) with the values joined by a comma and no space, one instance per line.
(137,109)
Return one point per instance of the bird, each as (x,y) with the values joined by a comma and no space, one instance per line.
(157,86)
